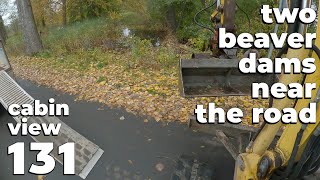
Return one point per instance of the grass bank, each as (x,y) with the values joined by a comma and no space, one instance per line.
(93,60)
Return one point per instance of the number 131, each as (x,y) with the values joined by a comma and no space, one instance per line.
(43,156)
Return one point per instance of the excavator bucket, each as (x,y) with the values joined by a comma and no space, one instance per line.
(207,76)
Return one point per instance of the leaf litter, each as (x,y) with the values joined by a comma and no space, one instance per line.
(154,93)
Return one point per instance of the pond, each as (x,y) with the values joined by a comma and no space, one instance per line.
(155,36)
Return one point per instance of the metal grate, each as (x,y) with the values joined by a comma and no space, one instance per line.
(86,152)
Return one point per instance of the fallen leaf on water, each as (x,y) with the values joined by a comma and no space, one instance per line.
(159,167)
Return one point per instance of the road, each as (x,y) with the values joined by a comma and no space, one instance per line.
(132,147)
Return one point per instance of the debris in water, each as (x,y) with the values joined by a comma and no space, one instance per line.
(126,32)
(157,44)
(159,167)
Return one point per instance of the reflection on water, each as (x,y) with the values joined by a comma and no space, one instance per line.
(157,44)
(154,36)
(126,32)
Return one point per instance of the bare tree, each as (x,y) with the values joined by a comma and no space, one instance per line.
(3,33)
(64,12)
(30,33)
(171,18)
(3,9)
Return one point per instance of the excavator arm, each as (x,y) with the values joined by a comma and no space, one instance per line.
(277,151)
(296,153)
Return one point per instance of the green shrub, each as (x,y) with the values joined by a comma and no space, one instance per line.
(14,45)
(145,55)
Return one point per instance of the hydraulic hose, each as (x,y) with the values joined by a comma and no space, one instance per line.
(280,53)
(294,152)
(298,168)
(304,157)
(197,14)
(315,167)
(311,162)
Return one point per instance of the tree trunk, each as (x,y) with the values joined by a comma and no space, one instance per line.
(30,33)
(171,18)
(3,34)
(64,13)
